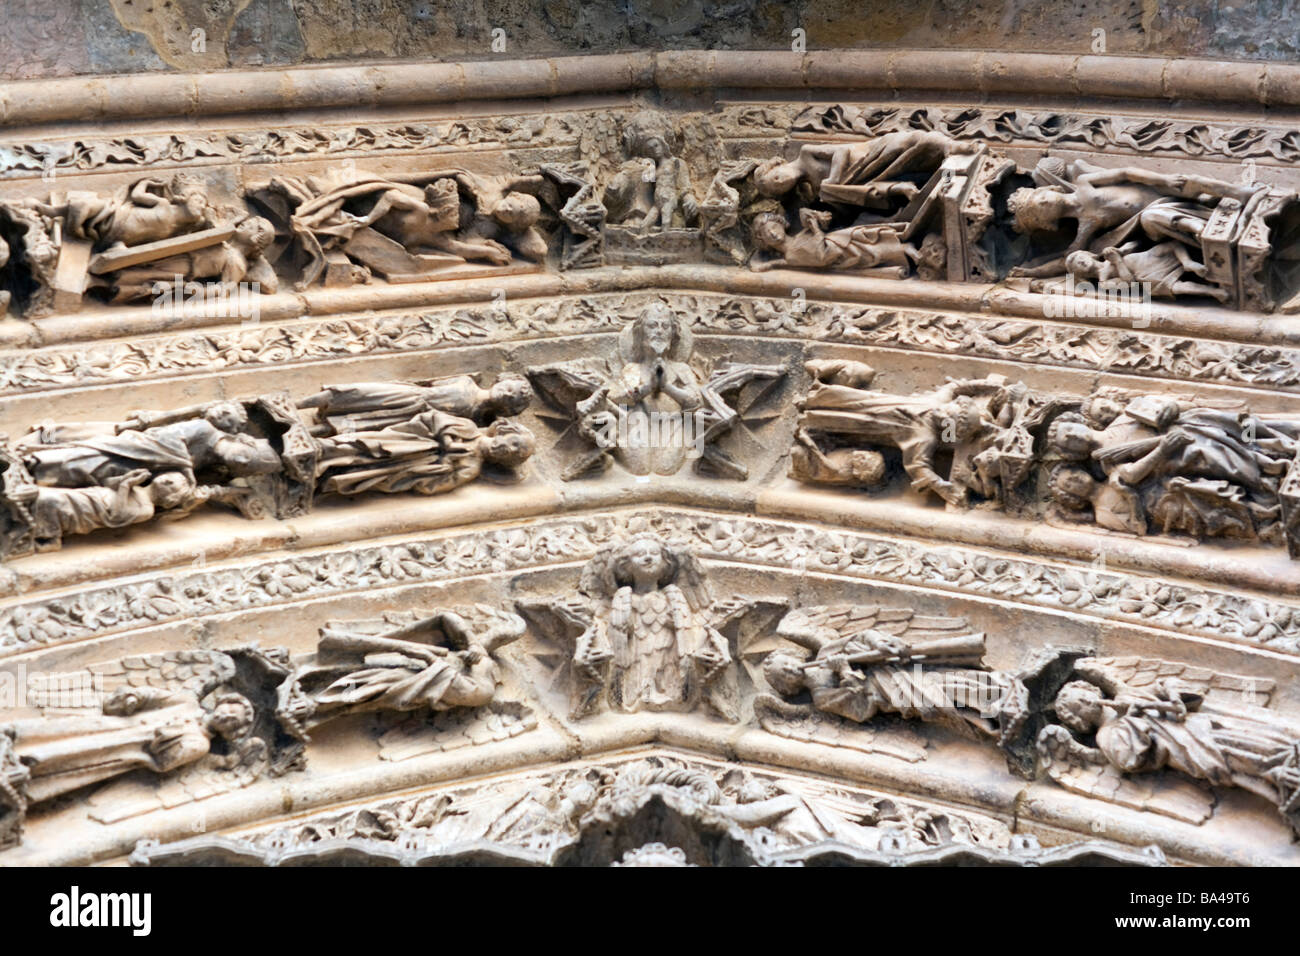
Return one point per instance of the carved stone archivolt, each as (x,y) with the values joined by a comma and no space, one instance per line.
(783,483)
(904,198)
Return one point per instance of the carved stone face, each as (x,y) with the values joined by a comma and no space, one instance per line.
(232,717)
(645,560)
(769,233)
(169,489)
(1079,707)
(784,674)
(512,395)
(657,330)
(517,211)
(776,179)
(230,417)
(251,456)
(1101,411)
(1083,263)
(1072,439)
(1072,488)
(510,448)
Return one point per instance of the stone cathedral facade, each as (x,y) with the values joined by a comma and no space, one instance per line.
(756,453)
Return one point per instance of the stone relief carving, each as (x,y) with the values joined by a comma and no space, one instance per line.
(157,237)
(259,455)
(409,229)
(204,723)
(909,197)
(650,410)
(1142,717)
(1135,225)
(404,664)
(862,661)
(1131,464)
(645,632)
(253,145)
(188,717)
(620,813)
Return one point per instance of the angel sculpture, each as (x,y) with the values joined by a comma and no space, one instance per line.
(187,716)
(651,412)
(1148,715)
(645,632)
(866,660)
(401,662)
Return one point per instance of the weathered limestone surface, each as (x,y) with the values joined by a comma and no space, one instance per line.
(688,456)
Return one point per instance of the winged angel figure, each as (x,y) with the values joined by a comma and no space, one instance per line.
(644,632)
(413,663)
(862,661)
(1147,715)
(650,411)
(193,717)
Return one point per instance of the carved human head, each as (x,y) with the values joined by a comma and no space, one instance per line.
(784,673)
(656,331)
(1102,408)
(170,489)
(867,466)
(4,253)
(774,178)
(1079,706)
(192,194)
(650,135)
(1083,263)
(933,260)
(1072,487)
(517,211)
(1037,209)
(645,559)
(769,231)
(965,415)
(1069,437)
(244,456)
(255,234)
(753,790)
(229,417)
(509,444)
(443,199)
(511,394)
(578,798)
(232,716)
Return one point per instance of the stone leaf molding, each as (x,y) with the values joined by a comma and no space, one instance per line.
(94,612)
(1060,344)
(618,812)
(1021,127)
(1044,128)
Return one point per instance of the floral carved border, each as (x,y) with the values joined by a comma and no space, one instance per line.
(172,596)
(1098,350)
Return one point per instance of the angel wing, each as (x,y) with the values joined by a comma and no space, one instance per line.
(455,628)
(1114,674)
(197,671)
(804,722)
(570,625)
(562,387)
(1084,770)
(454,729)
(745,386)
(814,627)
